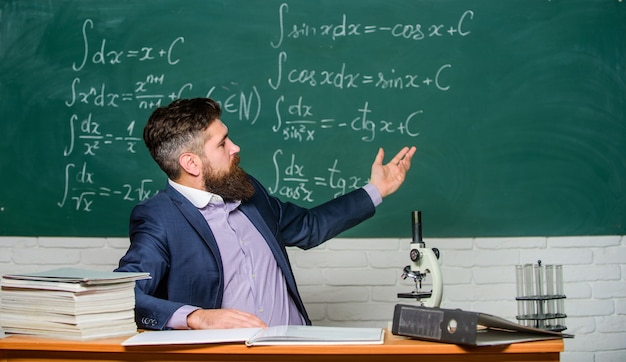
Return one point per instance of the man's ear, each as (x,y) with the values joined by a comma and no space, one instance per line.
(191,163)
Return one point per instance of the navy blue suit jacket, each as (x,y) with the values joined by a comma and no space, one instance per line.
(172,241)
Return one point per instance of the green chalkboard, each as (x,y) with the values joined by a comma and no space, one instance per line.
(517,108)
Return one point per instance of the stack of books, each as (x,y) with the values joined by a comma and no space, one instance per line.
(69,303)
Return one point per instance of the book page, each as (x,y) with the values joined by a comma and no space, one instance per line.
(74,275)
(191,336)
(314,335)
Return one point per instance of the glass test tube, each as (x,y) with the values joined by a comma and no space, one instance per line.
(521,304)
(538,273)
(528,290)
(550,293)
(560,304)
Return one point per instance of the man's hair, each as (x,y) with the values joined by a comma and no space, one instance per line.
(178,128)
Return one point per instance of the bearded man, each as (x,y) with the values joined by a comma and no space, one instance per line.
(214,241)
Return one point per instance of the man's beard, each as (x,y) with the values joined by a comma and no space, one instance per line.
(233,185)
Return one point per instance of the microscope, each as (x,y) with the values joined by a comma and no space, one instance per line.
(423,262)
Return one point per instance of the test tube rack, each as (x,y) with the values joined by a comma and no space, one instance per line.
(540,297)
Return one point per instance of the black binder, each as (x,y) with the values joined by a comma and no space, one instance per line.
(463,327)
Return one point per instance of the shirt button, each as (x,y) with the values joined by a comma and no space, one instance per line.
(261,310)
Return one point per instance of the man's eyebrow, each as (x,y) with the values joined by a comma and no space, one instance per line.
(225,134)
(223,139)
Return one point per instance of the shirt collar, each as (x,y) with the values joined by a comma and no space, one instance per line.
(199,198)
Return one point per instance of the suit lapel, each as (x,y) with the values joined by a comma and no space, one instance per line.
(195,219)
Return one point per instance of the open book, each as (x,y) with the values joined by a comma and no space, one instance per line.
(277,335)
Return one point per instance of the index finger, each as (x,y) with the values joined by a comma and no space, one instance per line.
(405,154)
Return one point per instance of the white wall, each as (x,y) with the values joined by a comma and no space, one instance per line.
(354,282)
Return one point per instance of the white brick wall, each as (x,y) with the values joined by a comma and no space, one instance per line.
(354,282)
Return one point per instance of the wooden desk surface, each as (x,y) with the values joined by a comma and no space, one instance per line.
(26,348)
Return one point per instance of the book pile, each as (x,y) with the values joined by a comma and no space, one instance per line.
(69,303)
